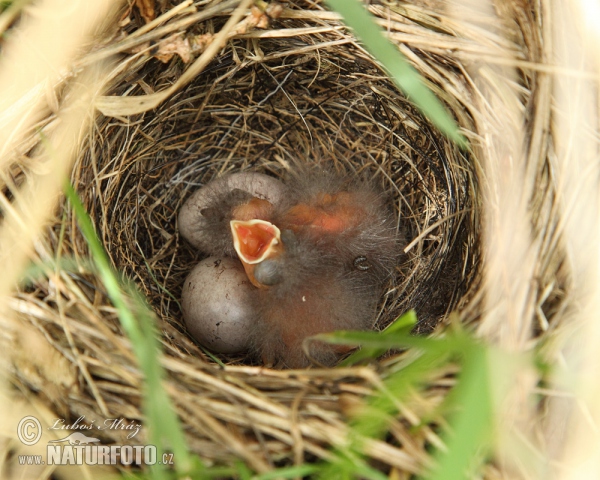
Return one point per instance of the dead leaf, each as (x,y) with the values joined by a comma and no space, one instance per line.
(146,8)
(176,44)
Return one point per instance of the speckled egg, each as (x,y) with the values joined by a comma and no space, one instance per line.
(217,305)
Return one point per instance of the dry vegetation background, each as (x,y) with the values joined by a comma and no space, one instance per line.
(140,108)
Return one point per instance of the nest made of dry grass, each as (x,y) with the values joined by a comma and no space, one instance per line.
(269,99)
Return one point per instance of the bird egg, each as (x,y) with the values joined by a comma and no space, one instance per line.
(217,305)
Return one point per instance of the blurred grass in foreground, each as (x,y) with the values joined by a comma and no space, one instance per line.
(469,409)
(138,321)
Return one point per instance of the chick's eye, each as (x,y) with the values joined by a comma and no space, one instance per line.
(268,272)
(361,263)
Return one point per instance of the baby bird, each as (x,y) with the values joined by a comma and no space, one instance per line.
(318,251)
(319,265)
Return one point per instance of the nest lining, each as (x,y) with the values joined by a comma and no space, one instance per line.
(262,113)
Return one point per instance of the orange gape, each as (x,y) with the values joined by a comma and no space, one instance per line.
(253,240)
(330,213)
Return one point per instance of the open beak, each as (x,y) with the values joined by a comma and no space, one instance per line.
(255,241)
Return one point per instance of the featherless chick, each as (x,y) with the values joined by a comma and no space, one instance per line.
(319,265)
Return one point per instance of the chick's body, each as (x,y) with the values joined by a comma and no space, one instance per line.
(339,248)
(306,303)
(345,218)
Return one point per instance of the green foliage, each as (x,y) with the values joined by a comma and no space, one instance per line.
(472,424)
(403,324)
(468,409)
(406,78)
(289,472)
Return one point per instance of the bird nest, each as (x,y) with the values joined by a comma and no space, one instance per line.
(301,90)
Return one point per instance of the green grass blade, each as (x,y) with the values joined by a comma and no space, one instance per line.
(288,472)
(347,464)
(406,78)
(138,322)
(386,340)
(472,427)
(403,324)
(469,405)
(373,420)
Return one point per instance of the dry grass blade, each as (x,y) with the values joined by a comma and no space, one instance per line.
(27,204)
(35,60)
(122,106)
(575,160)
